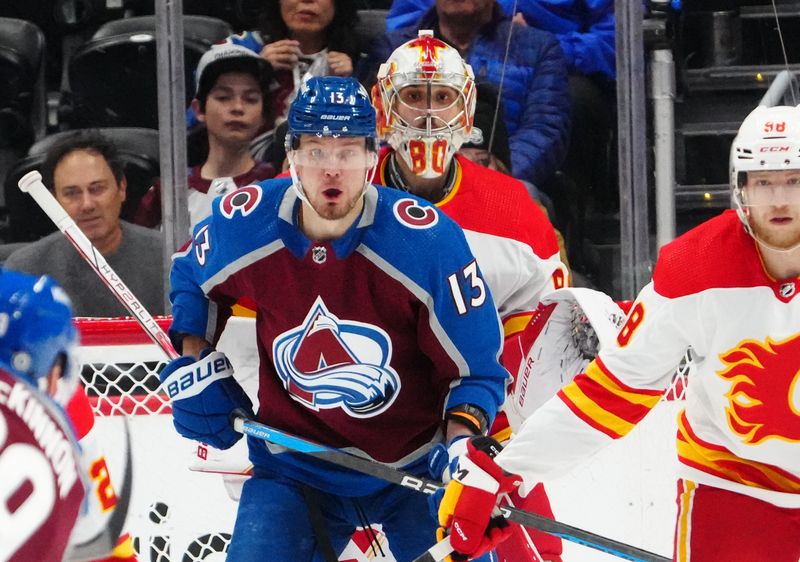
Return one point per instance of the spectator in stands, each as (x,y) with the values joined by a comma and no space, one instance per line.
(584,28)
(300,38)
(88,180)
(585,31)
(534,76)
(231,99)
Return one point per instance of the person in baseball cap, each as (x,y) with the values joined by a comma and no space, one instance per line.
(226,57)
(231,101)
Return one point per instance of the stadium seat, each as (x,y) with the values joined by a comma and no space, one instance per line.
(139,150)
(113,78)
(22,89)
(371,26)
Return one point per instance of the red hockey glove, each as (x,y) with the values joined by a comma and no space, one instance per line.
(466,511)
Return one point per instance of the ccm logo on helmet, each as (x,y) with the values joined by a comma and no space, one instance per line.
(243,200)
(413,215)
(775,149)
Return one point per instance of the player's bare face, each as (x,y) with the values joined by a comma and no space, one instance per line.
(772,200)
(86,187)
(333,172)
(417,104)
(233,112)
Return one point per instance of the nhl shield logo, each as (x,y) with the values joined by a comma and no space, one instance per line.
(328,363)
(319,254)
(787,289)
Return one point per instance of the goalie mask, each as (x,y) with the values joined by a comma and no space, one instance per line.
(36,331)
(425,99)
(331,106)
(768,141)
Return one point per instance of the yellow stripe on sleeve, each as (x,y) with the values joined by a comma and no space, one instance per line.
(646,398)
(597,414)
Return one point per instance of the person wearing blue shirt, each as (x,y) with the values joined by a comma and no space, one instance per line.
(584,28)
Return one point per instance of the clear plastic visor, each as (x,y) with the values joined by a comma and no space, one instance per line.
(431,105)
(771,188)
(343,153)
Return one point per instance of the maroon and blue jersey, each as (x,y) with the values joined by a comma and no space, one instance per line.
(41,487)
(364,341)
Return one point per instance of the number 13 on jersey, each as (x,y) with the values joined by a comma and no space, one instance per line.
(469,279)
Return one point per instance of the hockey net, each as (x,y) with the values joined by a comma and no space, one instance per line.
(120,367)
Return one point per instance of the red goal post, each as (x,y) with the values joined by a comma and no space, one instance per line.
(120,366)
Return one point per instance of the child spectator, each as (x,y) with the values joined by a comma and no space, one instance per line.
(231,100)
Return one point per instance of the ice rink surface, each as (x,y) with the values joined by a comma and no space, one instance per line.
(626,492)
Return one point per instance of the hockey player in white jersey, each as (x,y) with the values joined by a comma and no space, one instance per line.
(728,289)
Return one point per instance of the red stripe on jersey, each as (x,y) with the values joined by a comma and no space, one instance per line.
(718,461)
(644,391)
(606,399)
(79,411)
(586,418)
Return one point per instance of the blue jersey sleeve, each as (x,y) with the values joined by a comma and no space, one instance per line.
(190,306)
(203,281)
(459,330)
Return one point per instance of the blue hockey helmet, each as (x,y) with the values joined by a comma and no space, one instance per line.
(35,325)
(332,106)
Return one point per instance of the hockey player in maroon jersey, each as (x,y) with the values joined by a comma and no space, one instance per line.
(39,388)
(425,100)
(727,289)
(41,477)
(369,337)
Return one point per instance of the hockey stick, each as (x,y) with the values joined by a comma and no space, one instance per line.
(103,543)
(243,425)
(31,183)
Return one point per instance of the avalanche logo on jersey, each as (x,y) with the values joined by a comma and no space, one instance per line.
(764,397)
(331,363)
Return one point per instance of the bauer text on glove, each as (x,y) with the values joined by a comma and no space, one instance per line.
(204,393)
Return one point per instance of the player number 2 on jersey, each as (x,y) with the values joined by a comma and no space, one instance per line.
(477,294)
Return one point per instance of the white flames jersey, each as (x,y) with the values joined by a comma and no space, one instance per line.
(740,429)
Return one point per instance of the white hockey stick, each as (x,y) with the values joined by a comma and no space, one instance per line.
(31,183)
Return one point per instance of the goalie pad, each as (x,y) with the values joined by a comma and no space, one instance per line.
(565,333)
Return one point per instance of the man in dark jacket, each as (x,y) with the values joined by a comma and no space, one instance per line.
(584,28)
(532,77)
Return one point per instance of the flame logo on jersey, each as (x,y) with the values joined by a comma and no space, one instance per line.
(331,363)
(764,398)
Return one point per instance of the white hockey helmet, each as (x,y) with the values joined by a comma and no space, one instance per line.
(427,145)
(768,140)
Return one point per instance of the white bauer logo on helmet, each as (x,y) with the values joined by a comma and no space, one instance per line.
(428,144)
